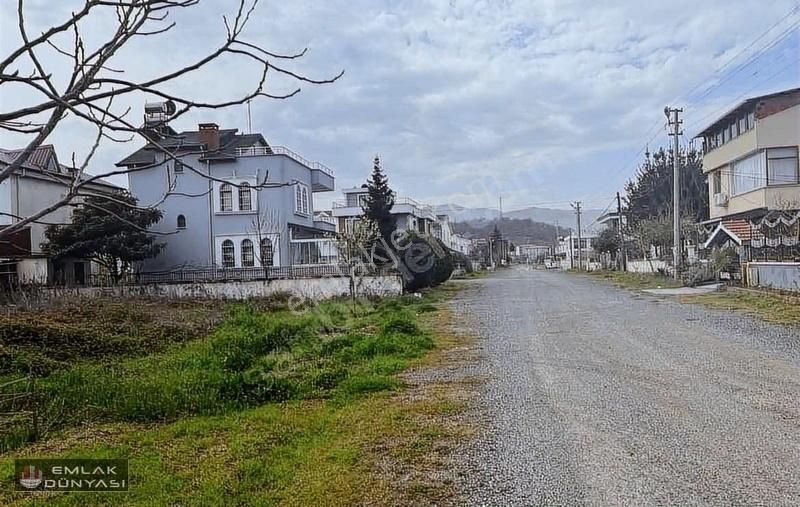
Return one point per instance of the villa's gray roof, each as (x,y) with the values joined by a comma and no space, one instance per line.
(37,164)
(229,141)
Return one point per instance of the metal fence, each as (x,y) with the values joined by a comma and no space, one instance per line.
(218,274)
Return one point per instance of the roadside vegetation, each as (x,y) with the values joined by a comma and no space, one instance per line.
(271,407)
(635,280)
(772,307)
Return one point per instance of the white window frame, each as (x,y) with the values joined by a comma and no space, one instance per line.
(237,240)
(302,200)
(753,181)
(796,159)
(225,205)
(252,256)
(244,190)
(235,184)
(222,253)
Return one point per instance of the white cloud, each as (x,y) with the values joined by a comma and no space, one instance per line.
(544,99)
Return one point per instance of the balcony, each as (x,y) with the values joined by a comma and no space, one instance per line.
(322,176)
(402,205)
(325,223)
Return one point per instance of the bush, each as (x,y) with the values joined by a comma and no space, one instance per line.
(428,263)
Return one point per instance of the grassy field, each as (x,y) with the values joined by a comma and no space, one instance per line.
(776,308)
(636,280)
(271,408)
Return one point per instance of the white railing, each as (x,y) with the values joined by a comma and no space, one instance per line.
(260,151)
(419,208)
(325,218)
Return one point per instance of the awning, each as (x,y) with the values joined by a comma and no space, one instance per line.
(720,236)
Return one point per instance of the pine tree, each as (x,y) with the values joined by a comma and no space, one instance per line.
(379,202)
(649,195)
(111,231)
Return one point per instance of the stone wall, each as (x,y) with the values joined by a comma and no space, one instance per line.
(310,288)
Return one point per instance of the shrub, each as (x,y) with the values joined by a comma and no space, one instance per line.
(424,266)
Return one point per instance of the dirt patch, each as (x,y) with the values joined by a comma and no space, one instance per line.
(439,392)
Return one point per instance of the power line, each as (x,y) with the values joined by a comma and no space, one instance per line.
(752,59)
(744,94)
(792,11)
(758,54)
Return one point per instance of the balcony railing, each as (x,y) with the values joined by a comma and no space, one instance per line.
(261,151)
(325,218)
(419,207)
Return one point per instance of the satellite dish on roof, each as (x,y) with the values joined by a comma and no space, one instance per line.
(158,113)
(170,108)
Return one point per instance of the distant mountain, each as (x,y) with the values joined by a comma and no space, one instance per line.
(462,214)
(563,217)
(519,231)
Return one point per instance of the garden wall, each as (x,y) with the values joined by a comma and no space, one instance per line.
(310,288)
(774,275)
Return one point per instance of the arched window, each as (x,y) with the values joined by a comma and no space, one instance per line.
(228,254)
(225,197)
(266,252)
(248,255)
(305,200)
(245,197)
(298,199)
(181,222)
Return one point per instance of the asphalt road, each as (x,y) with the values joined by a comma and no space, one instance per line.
(601,396)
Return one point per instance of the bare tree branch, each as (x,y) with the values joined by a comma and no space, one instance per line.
(94,83)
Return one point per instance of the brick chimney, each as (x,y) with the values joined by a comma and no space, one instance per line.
(209,135)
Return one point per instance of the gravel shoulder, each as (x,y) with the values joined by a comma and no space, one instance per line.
(600,396)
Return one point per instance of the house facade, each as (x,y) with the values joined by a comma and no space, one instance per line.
(408,214)
(751,159)
(230,200)
(569,247)
(40,182)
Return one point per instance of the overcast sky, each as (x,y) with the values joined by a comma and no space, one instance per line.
(542,102)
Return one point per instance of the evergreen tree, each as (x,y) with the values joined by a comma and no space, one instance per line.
(112,231)
(379,202)
(650,194)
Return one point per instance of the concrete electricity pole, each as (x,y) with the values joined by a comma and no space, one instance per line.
(621,251)
(577,208)
(675,122)
(555,244)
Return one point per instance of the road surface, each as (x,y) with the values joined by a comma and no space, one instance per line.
(600,396)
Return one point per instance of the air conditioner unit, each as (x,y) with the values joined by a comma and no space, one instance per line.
(721,199)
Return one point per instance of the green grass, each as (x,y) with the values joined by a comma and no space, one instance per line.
(75,330)
(776,308)
(636,280)
(271,408)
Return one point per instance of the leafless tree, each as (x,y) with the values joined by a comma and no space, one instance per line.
(91,90)
(266,224)
(354,246)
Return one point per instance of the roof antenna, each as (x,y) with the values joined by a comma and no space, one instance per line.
(249,119)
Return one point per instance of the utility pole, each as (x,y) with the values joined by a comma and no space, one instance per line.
(577,208)
(675,122)
(621,251)
(555,245)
